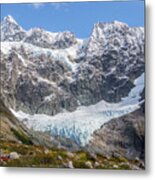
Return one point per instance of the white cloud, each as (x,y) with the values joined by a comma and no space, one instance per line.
(59,6)
(37,5)
(55,5)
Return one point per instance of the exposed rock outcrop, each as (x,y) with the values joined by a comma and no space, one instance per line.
(124,136)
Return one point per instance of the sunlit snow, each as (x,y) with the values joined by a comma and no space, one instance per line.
(64,55)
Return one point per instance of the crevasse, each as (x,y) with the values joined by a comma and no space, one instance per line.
(80,124)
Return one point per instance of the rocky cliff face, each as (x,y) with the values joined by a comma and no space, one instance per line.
(11,129)
(123,136)
(44,72)
(114,58)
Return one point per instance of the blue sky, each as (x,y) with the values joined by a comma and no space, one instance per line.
(78,17)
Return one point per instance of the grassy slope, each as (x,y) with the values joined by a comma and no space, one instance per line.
(37,156)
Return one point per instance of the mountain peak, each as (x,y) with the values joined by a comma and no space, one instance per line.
(9,19)
(11,30)
(110,24)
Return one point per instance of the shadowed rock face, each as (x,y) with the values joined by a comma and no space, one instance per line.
(36,79)
(114,58)
(124,136)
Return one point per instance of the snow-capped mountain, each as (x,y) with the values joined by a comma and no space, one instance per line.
(75,84)
(11,31)
(115,36)
(45,39)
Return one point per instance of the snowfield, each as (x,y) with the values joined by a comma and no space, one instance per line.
(80,124)
(64,55)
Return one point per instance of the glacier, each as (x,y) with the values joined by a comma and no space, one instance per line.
(64,55)
(80,124)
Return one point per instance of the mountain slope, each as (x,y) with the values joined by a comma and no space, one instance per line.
(17,139)
(14,131)
(69,87)
(123,136)
(80,124)
(11,128)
